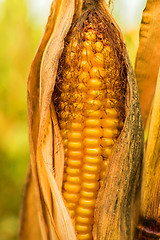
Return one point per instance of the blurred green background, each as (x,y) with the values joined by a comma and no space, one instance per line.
(21,26)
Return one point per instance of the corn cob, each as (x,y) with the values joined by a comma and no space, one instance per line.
(90,107)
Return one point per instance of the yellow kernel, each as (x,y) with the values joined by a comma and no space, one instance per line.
(106,152)
(94,83)
(76,117)
(106,142)
(85,236)
(73,188)
(73,179)
(97,72)
(70,197)
(87,202)
(83,228)
(74,163)
(76,136)
(98,94)
(109,122)
(73,171)
(110,133)
(84,220)
(90,186)
(75,145)
(90,176)
(77,125)
(98,46)
(93,113)
(92,122)
(90,35)
(86,194)
(93,151)
(85,65)
(71,205)
(87,54)
(110,113)
(88,45)
(98,60)
(91,168)
(93,104)
(84,211)
(93,132)
(75,154)
(93,159)
(84,76)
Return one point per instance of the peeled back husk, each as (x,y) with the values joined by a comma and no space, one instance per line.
(115,207)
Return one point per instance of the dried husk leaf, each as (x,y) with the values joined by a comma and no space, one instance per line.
(150,195)
(148,55)
(39,91)
(46,146)
(30,229)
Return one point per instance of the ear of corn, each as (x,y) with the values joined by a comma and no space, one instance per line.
(90,118)
(89,100)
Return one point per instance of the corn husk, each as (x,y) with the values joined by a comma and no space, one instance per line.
(148,56)
(149,222)
(115,207)
(146,69)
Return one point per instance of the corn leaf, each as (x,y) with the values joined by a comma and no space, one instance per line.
(148,55)
(150,196)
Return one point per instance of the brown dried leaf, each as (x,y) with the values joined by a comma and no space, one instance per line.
(40,87)
(148,55)
(29,229)
(150,206)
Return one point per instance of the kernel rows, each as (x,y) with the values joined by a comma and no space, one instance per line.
(90,124)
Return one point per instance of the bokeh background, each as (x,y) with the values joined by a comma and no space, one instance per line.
(21,26)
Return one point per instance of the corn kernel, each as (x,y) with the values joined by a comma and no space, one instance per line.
(98,60)
(84,76)
(87,54)
(98,46)
(97,72)
(90,35)
(88,45)
(85,66)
